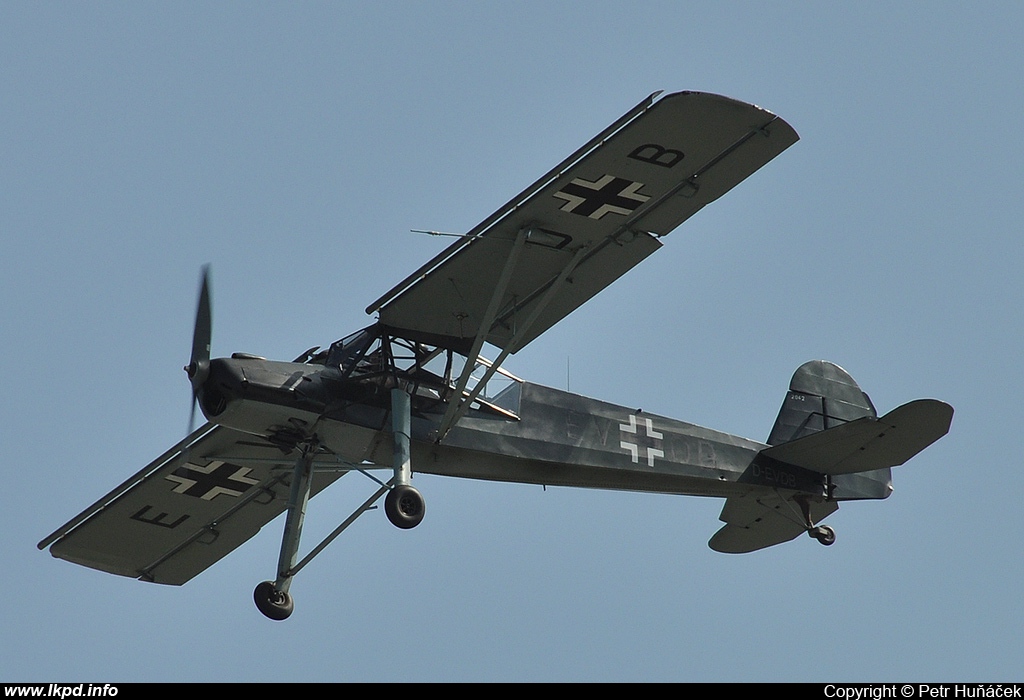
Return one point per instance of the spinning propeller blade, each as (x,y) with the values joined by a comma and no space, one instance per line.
(199,365)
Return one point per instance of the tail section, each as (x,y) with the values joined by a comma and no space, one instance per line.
(829,426)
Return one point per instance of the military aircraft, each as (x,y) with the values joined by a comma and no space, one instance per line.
(411,392)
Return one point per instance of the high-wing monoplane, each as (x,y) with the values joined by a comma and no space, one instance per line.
(412,393)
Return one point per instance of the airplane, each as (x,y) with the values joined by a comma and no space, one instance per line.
(412,393)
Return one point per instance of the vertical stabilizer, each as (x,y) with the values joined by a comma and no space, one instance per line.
(821,395)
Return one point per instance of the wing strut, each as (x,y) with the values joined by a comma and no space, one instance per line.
(457,409)
(478,342)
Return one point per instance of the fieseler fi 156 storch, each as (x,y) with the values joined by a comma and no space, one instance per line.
(412,393)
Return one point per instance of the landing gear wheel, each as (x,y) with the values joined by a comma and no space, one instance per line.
(404,506)
(824,534)
(275,604)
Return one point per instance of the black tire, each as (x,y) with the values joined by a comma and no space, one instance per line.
(404,507)
(275,604)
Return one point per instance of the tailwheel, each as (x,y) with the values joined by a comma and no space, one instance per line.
(404,506)
(824,534)
(275,604)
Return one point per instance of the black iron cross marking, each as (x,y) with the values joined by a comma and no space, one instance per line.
(648,443)
(213,480)
(607,195)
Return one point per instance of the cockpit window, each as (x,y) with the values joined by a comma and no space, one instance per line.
(428,373)
(346,353)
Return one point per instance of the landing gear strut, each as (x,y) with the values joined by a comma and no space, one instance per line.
(403,505)
(272,597)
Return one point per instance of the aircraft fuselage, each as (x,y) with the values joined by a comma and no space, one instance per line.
(547,437)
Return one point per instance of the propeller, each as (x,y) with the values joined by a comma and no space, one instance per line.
(198,368)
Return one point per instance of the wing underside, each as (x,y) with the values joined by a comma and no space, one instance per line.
(187,509)
(585,223)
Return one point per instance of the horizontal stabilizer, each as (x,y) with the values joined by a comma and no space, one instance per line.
(754,522)
(869,443)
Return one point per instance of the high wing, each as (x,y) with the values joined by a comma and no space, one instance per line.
(759,520)
(187,509)
(585,223)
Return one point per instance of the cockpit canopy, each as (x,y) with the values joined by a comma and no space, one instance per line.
(428,372)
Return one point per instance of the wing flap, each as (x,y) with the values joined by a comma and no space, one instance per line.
(868,443)
(656,167)
(756,521)
(186,510)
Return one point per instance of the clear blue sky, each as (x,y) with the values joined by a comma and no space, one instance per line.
(293,146)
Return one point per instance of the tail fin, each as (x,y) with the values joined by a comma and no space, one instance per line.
(828,425)
(821,395)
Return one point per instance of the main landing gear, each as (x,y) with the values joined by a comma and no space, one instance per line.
(403,505)
(271,597)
